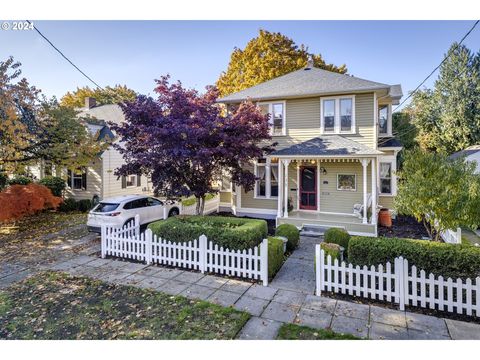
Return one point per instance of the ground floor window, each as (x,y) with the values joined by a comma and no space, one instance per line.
(131,181)
(266,172)
(386,178)
(346,182)
(77,179)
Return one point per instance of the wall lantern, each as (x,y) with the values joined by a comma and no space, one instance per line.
(323,170)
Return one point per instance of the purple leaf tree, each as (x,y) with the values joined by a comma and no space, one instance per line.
(184,141)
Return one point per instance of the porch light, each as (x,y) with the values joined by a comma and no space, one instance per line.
(323,170)
(312,161)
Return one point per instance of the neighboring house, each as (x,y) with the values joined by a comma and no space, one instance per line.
(98,179)
(336,157)
(471,153)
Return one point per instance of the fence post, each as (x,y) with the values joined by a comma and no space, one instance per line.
(164,212)
(137,225)
(202,253)
(459,235)
(148,246)
(399,282)
(104,241)
(264,261)
(317,270)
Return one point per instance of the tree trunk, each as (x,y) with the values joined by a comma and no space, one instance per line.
(197,207)
(202,204)
(428,228)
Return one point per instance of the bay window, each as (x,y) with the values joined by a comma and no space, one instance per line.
(266,184)
(337,115)
(386,178)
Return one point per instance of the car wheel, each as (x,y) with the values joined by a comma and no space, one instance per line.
(173,212)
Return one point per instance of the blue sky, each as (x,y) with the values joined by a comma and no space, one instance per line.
(196,52)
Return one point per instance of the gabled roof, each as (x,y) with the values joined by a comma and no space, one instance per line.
(309,82)
(466,152)
(327,145)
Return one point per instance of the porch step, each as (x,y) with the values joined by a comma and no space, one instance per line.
(313,230)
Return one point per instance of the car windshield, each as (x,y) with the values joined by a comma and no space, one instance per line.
(105,207)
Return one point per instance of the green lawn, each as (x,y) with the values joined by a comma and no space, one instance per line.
(297,332)
(55,305)
(192,200)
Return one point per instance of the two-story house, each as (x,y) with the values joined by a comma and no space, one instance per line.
(335,161)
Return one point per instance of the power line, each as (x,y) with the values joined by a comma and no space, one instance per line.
(433,71)
(66,58)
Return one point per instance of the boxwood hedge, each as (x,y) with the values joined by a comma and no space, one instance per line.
(275,255)
(448,260)
(291,233)
(337,236)
(229,232)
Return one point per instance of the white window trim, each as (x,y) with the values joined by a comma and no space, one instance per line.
(337,126)
(352,190)
(268,181)
(134,181)
(393,161)
(389,121)
(72,180)
(270,111)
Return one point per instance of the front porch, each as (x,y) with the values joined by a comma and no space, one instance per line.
(351,223)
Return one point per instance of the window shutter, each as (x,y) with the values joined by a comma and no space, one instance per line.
(139,180)
(84,179)
(124,182)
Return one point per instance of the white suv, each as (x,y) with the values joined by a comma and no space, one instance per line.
(120,210)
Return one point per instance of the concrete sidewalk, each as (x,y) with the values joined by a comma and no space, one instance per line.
(288,299)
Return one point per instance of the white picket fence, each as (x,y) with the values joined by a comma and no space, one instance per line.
(198,254)
(211,206)
(403,285)
(451,236)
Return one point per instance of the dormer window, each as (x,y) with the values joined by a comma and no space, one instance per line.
(277,116)
(337,115)
(384,120)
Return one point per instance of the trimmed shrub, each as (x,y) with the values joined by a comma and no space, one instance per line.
(337,236)
(275,255)
(20,180)
(54,183)
(291,233)
(229,232)
(84,205)
(331,249)
(448,260)
(68,205)
(22,200)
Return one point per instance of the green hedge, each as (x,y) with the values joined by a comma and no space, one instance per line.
(291,233)
(448,260)
(337,236)
(229,232)
(20,180)
(70,205)
(275,255)
(331,249)
(55,184)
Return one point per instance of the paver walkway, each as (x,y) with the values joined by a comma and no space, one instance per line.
(289,298)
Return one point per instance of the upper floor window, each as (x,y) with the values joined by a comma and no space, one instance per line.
(277,116)
(384,125)
(337,115)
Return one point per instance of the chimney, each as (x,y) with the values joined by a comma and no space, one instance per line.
(90,102)
(309,63)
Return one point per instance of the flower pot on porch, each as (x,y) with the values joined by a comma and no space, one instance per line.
(385,218)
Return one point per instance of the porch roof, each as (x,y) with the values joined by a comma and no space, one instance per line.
(327,145)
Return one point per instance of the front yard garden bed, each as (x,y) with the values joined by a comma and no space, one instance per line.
(404,227)
(297,332)
(54,305)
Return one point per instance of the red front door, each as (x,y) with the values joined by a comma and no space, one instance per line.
(308,187)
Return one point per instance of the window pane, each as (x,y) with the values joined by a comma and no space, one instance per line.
(346,114)
(346,182)
(77,182)
(131,180)
(385,170)
(329,115)
(277,118)
(261,180)
(386,178)
(105,207)
(383,119)
(386,186)
(263,108)
(274,180)
(308,179)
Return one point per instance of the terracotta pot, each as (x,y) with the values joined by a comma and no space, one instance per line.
(384,218)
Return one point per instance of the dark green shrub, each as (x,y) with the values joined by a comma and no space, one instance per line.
(20,180)
(68,205)
(3,180)
(337,236)
(291,233)
(229,232)
(84,205)
(331,249)
(55,184)
(275,255)
(448,260)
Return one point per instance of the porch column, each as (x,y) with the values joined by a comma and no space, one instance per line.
(364,165)
(280,192)
(286,163)
(374,193)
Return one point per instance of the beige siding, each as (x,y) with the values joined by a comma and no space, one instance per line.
(387,202)
(225,197)
(248,201)
(94,182)
(112,185)
(303,120)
